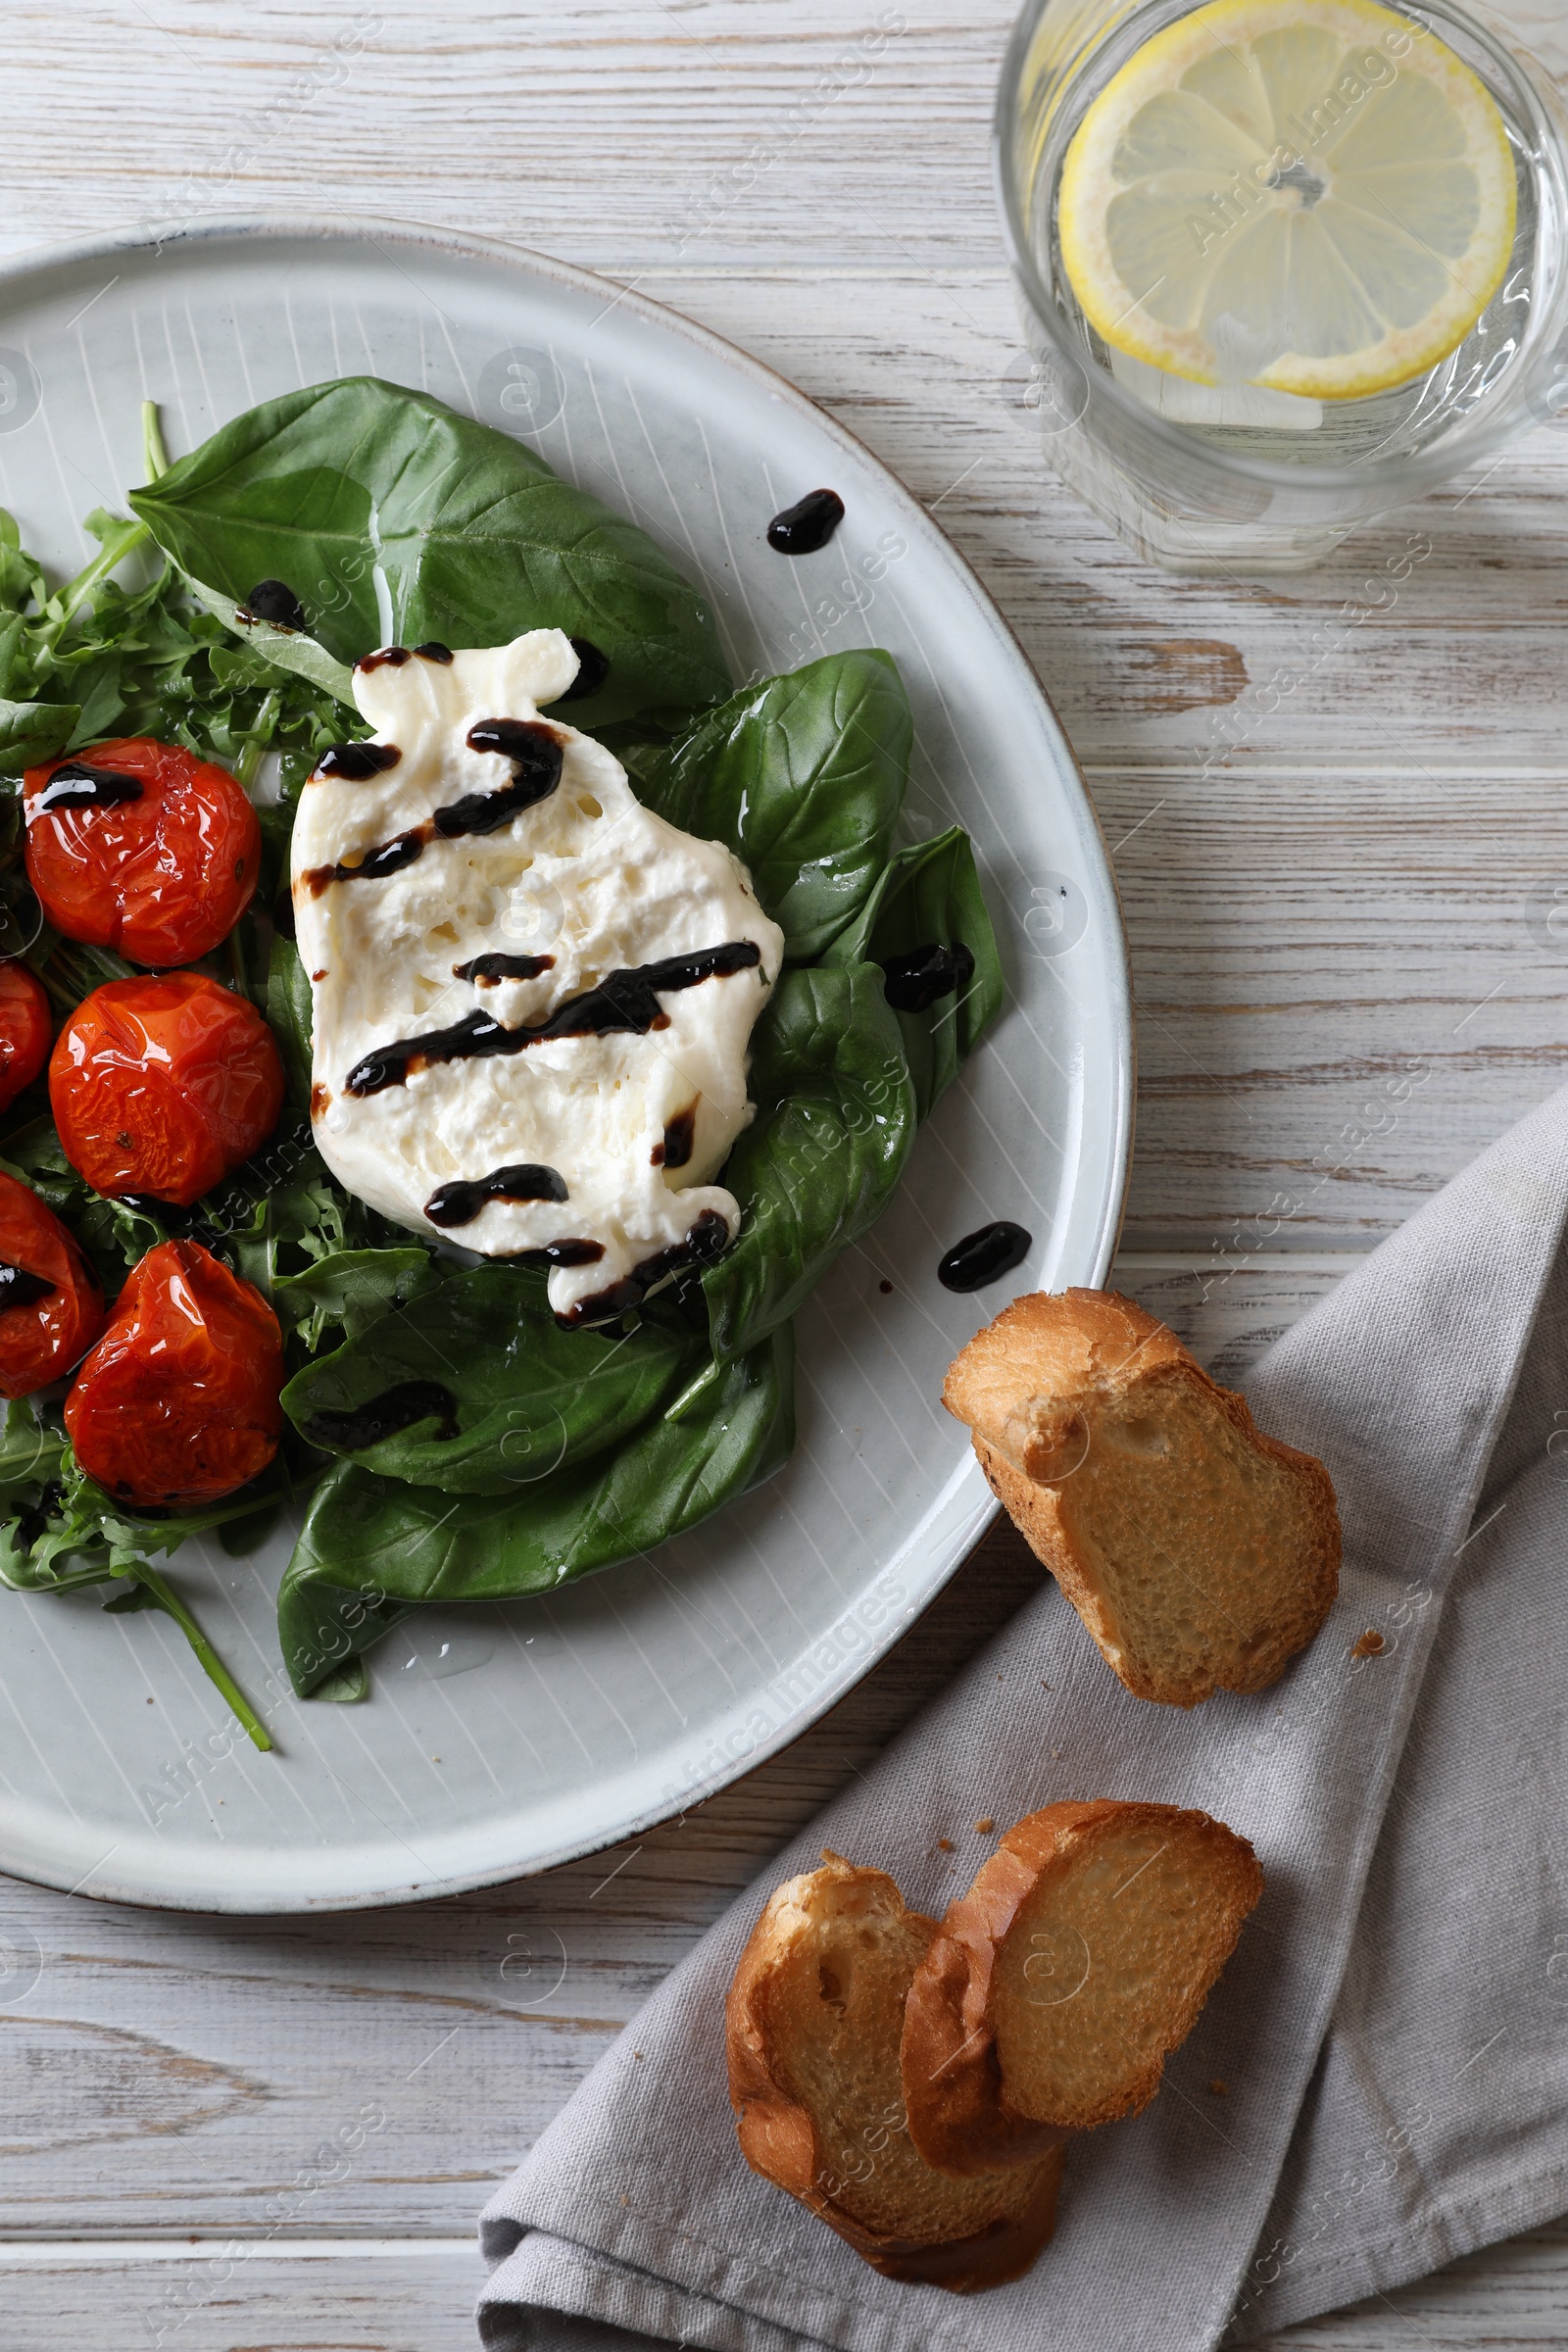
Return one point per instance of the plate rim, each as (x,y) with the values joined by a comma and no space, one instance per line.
(35,263)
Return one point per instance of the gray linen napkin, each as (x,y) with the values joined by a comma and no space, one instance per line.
(1393,2032)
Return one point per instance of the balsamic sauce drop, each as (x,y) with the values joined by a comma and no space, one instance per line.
(593,668)
(481,968)
(275,600)
(624,1003)
(807,525)
(387,858)
(384,1416)
(388,657)
(460,1202)
(358,762)
(917,979)
(680,1135)
(18,1288)
(75,785)
(984,1256)
(706,1240)
(432,650)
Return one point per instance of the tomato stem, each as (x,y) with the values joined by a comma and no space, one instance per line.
(169,1601)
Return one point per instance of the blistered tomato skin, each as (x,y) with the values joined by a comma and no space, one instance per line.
(41,1338)
(158,859)
(178,1401)
(163,1086)
(25,1029)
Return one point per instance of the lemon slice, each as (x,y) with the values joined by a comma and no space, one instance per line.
(1312,195)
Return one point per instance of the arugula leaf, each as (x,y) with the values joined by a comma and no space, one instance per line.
(96,658)
(373,1548)
(31,732)
(930,896)
(350,1290)
(802,777)
(288,648)
(291,1015)
(60,1532)
(835,1123)
(473,535)
(529,1399)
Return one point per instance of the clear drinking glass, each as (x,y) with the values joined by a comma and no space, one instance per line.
(1221,480)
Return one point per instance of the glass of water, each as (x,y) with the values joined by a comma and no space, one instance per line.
(1211,456)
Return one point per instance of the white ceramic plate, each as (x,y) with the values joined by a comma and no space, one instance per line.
(501,1740)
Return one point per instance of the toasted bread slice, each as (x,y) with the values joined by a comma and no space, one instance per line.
(1200,1555)
(1053,1992)
(814,2023)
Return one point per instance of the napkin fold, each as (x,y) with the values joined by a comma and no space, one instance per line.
(1380,2080)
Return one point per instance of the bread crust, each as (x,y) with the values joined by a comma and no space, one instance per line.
(960,2117)
(779,2140)
(1022,1387)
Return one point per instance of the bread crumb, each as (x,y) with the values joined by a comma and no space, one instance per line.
(1370,1645)
(636,2053)
(984,1825)
(1221,2090)
(945,1844)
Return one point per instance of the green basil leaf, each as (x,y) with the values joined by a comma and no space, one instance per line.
(373,1548)
(290,1013)
(350,1290)
(930,896)
(804,778)
(835,1122)
(528,1397)
(473,537)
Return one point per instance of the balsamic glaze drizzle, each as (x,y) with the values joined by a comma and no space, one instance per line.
(358,762)
(807,525)
(624,1003)
(274,601)
(559,1253)
(593,668)
(432,650)
(915,980)
(389,657)
(681,1134)
(460,1201)
(984,1256)
(75,785)
(18,1288)
(486,970)
(705,1241)
(384,1416)
(536,759)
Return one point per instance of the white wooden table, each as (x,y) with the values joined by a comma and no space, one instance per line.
(1354,891)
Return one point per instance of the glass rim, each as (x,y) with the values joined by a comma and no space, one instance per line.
(1472,441)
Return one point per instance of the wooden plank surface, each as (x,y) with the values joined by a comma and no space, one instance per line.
(1337,866)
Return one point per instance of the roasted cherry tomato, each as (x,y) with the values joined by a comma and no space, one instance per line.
(178,1401)
(142,847)
(26,1028)
(51,1309)
(162,1086)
